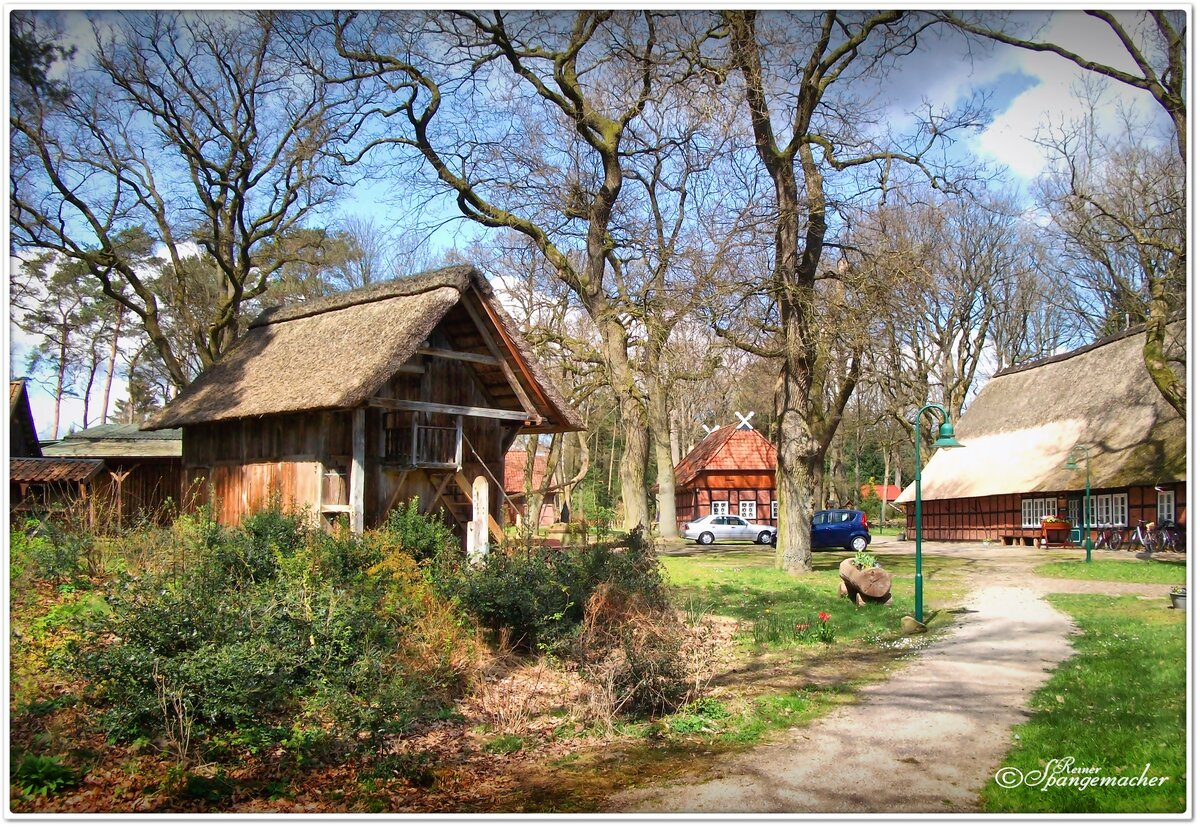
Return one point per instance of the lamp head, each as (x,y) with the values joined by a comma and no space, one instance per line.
(946,437)
(1071,464)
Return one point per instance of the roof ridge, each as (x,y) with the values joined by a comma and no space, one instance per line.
(457,276)
(1079,351)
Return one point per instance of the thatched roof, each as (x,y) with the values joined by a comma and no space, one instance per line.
(119,441)
(1019,430)
(336,352)
(728,448)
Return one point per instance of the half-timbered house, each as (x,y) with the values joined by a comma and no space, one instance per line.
(351,404)
(1020,430)
(730,471)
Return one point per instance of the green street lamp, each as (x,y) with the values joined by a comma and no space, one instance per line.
(1072,464)
(945,440)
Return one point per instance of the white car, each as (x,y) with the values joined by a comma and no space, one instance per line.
(715,527)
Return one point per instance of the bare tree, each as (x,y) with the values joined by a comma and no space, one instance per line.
(543,153)
(192,130)
(1155,41)
(800,123)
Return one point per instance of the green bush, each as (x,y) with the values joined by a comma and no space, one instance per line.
(422,537)
(269,629)
(539,594)
(42,775)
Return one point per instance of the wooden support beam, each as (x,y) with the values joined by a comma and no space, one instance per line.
(495,528)
(458,355)
(518,389)
(458,443)
(358,470)
(412,369)
(459,410)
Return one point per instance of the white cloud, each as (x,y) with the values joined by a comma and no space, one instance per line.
(1055,98)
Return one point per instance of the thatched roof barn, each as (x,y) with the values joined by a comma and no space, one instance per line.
(335,352)
(1018,432)
(354,402)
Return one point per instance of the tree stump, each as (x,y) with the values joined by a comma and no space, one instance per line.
(872,584)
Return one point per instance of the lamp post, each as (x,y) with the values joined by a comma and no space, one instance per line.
(1072,464)
(945,440)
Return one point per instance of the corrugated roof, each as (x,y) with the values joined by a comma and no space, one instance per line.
(119,440)
(728,448)
(43,470)
(1019,430)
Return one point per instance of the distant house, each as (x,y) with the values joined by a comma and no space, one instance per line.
(883,492)
(730,471)
(144,469)
(514,487)
(1021,428)
(348,405)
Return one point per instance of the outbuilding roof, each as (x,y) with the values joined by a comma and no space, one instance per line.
(337,351)
(118,441)
(1019,430)
(43,470)
(729,448)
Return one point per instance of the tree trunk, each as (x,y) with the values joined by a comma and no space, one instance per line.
(872,582)
(1154,349)
(112,362)
(660,429)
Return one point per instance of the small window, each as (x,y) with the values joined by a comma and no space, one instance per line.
(748,509)
(720,507)
(1166,506)
(1120,509)
(774,509)
(1032,511)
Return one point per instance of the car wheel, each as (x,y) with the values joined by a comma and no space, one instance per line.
(859,544)
(764,537)
(705,539)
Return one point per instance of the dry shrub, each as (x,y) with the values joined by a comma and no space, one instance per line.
(631,656)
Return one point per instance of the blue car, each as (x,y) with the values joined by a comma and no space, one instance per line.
(841,528)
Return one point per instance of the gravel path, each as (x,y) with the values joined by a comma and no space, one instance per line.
(925,740)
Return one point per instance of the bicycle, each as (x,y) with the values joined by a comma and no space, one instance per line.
(1172,537)
(1111,537)
(1145,537)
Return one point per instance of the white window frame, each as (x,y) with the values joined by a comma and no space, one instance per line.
(1034,508)
(719,508)
(748,513)
(1108,510)
(1165,513)
(774,509)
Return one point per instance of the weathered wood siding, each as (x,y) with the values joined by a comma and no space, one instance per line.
(237,465)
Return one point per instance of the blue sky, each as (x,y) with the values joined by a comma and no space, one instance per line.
(1028,90)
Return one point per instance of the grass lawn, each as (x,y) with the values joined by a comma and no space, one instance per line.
(1117,705)
(742,582)
(1169,572)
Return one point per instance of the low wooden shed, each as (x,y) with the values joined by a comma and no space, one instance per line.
(348,405)
(143,469)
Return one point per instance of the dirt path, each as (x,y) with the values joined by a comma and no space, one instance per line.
(925,740)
